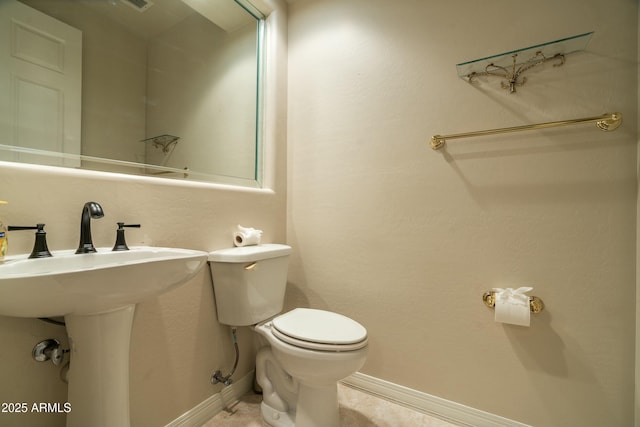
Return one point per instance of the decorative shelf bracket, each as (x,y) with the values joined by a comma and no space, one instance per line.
(512,75)
(507,67)
(164,141)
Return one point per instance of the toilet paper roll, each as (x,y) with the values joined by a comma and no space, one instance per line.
(512,306)
(246,236)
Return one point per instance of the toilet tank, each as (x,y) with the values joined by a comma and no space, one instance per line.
(249,282)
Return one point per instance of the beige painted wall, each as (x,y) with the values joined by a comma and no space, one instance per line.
(405,239)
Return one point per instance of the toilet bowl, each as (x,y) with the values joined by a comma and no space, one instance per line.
(304,352)
(316,348)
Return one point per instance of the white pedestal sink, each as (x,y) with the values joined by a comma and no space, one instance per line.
(96,293)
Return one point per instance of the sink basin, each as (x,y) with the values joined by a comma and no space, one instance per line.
(91,283)
(96,293)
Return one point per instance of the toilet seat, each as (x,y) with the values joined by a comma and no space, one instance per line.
(319,330)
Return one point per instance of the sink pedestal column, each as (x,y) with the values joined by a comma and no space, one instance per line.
(99,369)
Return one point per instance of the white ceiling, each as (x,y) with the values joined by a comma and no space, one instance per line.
(164,14)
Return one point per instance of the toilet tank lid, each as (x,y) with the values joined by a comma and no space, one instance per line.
(250,253)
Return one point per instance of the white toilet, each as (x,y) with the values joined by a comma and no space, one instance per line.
(306,351)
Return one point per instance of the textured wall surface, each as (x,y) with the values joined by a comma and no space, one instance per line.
(405,239)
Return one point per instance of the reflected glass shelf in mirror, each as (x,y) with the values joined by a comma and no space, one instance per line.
(548,50)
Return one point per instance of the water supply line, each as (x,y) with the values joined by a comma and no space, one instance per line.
(217,376)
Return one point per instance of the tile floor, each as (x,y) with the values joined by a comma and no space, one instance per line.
(357,409)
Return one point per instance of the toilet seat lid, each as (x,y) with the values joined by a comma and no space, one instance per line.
(320,327)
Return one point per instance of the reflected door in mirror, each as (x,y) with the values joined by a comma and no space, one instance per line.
(41,71)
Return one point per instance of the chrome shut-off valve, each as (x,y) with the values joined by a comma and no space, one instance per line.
(218,377)
(49,349)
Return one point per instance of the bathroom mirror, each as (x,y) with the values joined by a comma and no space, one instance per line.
(166,88)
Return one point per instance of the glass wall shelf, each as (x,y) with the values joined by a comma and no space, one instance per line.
(510,65)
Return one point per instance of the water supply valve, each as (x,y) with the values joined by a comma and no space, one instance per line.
(49,349)
(218,377)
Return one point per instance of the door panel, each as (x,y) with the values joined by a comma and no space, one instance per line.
(40,84)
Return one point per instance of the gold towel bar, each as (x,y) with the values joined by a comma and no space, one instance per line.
(608,121)
(535,304)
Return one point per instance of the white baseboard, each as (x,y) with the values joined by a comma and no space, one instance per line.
(447,410)
(213,405)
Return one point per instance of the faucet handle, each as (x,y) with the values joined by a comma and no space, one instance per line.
(121,244)
(40,249)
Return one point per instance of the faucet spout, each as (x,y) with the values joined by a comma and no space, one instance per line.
(90,210)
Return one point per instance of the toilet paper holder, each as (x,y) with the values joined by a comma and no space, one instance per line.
(536,305)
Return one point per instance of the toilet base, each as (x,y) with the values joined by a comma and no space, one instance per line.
(317,407)
(274,418)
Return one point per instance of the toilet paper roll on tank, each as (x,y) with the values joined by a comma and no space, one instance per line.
(246,236)
(512,306)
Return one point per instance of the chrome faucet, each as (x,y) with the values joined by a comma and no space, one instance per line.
(90,210)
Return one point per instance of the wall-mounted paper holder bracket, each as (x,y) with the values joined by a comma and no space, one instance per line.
(536,305)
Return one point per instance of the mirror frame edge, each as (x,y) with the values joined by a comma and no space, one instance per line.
(273,107)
